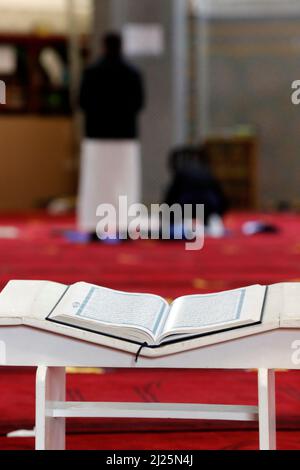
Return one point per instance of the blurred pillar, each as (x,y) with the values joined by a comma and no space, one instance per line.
(203,80)
(74,52)
(75,74)
(166,74)
(102,22)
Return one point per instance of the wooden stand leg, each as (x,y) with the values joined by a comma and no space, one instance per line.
(267,409)
(50,386)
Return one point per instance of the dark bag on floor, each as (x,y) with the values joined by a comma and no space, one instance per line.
(194,183)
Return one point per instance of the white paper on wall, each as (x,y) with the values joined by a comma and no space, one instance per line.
(143,39)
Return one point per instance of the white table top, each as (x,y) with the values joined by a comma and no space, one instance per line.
(26,346)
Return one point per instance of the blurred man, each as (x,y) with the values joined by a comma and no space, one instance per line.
(111,97)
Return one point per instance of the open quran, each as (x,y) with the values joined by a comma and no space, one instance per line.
(138,318)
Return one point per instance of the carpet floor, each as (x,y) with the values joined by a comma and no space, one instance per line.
(37,248)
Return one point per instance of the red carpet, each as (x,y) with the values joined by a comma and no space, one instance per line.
(40,252)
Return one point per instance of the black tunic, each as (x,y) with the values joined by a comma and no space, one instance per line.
(111,96)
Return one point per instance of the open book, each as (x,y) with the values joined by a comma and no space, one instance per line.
(144,318)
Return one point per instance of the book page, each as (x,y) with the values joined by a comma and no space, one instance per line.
(211,312)
(197,311)
(99,304)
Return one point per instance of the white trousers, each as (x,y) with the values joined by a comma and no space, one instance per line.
(109,169)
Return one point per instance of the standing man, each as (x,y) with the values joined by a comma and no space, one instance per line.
(111,98)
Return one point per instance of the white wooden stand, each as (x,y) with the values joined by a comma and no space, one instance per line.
(52,353)
(52,409)
(267,409)
(50,388)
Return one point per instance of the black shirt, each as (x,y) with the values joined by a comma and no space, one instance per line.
(111,96)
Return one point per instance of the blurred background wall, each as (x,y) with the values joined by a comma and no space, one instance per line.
(251,55)
(218,71)
(158,32)
(38,135)
(26,16)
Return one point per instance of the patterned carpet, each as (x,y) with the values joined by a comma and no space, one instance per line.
(35,247)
